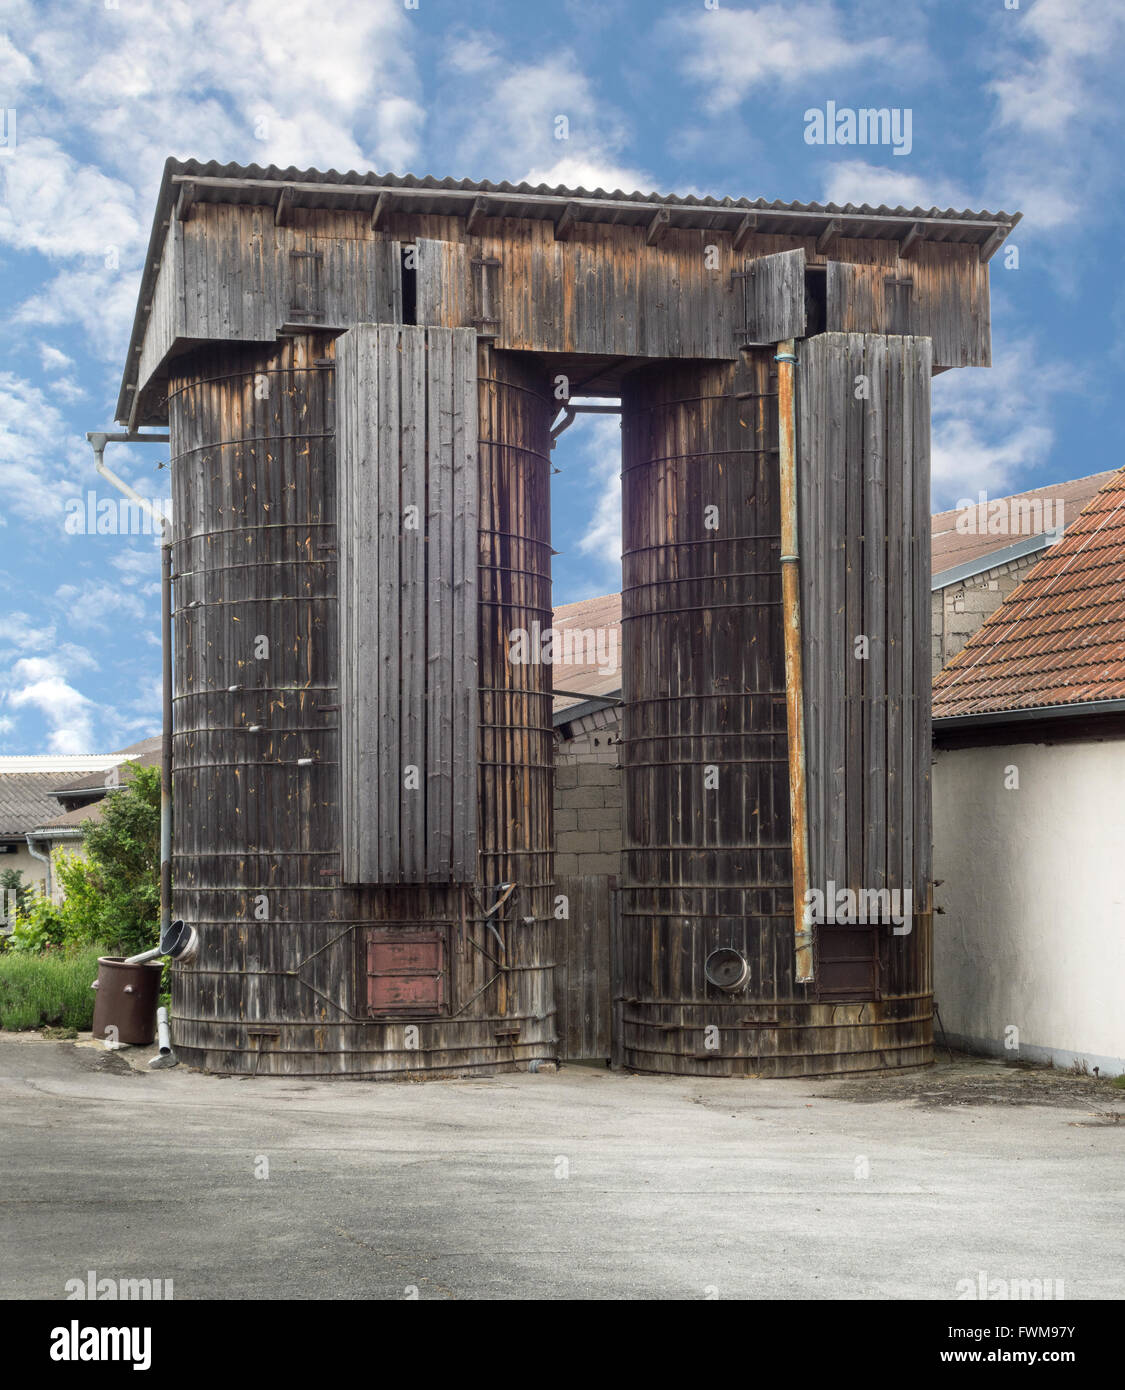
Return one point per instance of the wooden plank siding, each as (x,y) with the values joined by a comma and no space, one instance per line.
(403,707)
(863,464)
(235,274)
(583,971)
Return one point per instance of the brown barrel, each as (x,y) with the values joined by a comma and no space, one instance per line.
(126,1000)
(277,984)
(707,865)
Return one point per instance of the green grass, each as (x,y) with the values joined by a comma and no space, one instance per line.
(51,989)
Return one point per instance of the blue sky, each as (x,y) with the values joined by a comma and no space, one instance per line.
(1014,106)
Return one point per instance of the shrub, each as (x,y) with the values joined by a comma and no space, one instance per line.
(40,927)
(52,989)
(113,896)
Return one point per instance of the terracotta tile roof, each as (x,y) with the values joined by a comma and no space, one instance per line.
(603,614)
(1059,638)
(950,547)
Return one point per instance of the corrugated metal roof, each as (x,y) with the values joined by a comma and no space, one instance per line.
(26,801)
(1059,638)
(251,183)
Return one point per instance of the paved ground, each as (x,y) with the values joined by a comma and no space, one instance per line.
(584,1184)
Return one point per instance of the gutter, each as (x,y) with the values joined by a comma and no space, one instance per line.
(1029,714)
(1030,545)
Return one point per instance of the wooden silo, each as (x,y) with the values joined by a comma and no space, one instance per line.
(360,374)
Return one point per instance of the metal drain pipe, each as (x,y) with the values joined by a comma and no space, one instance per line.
(176,940)
(786,360)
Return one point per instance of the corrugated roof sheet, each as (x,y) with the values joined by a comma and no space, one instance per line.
(147,753)
(1059,638)
(26,801)
(354,178)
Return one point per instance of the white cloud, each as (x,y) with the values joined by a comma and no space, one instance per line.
(53,359)
(37,472)
(992,429)
(101,300)
(602,537)
(733,54)
(513,126)
(94,603)
(41,683)
(24,633)
(1057,91)
(1046,92)
(139,567)
(854,181)
(399,124)
(207,79)
(51,203)
(576,171)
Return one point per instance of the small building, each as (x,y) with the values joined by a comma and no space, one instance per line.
(981,553)
(1029,820)
(46,799)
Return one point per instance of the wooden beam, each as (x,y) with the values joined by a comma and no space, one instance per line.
(743,232)
(658,226)
(992,245)
(185,201)
(477,215)
(909,239)
(826,236)
(283,212)
(380,210)
(565,221)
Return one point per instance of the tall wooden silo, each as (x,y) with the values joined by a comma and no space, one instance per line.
(359,373)
(343,925)
(708,865)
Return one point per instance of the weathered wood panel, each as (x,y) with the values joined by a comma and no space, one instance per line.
(603,290)
(863,463)
(583,974)
(404,710)
(775,297)
(935,293)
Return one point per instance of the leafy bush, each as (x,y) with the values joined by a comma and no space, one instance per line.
(113,895)
(39,928)
(51,989)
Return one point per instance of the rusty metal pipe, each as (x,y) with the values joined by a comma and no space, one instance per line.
(786,360)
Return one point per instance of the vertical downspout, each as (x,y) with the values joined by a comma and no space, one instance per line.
(166,740)
(46,859)
(786,360)
(98,441)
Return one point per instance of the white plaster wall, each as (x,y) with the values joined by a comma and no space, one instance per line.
(1034,896)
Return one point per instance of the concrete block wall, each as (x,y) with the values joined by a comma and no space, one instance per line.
(588,798)
(959,609)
